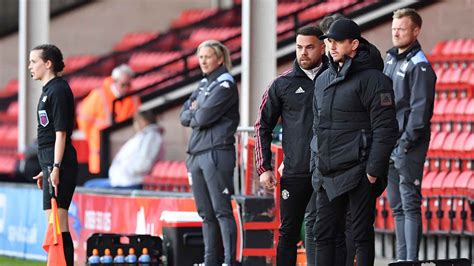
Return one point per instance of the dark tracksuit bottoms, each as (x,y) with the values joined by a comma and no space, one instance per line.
(404,195)
(361,203)
(212,185)
(294,198)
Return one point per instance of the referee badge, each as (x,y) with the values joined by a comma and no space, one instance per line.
(285,194)
(43,118)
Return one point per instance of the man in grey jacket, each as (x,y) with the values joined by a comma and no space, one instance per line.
(414,87)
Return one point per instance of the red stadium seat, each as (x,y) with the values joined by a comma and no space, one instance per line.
(468,47)
(449,109)
(438,110)
(436,147)
(191,16)
(428,202)
(460,109)
(466,75)
(449,183)
(437,188)
(450,203)
(323,9)
(284,9)
(10,89)
(458,147)
(134,39)
(469,111)
(427,182)
(438,48)
(13,109)
(82,85)
(285,26)
(462,183)
(146,80)
(143,61)
(201,34)
(76,62)
(448,145)
(468,151)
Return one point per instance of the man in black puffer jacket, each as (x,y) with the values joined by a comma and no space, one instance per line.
(355,130)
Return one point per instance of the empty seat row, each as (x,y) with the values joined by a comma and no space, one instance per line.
(191,16)
(437,164)
(448,183)
(448,195)
(133,39)
(324,8)
(73,63)
(222,33)
(453,110)
(143,61)
(455,74)
(150,79)
(452,144)
(286,8)
(451,126)
(454,47)
(168,176)
(358,6)
(447,206)
(82,85)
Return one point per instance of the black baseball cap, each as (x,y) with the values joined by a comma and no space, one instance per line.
(342,29)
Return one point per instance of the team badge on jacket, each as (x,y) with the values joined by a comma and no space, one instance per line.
(285,194)
(43,118)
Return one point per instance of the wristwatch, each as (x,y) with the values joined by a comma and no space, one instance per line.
(58,165)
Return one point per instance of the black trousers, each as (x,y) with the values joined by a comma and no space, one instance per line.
(294,197)
(67,176)
(331,225)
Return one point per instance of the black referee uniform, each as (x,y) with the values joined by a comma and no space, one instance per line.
(56,113)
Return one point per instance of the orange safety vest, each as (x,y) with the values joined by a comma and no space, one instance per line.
(94,115)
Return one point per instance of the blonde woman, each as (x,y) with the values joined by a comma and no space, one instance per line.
(212,111)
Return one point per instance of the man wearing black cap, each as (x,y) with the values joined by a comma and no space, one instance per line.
(355,130)
(290,98)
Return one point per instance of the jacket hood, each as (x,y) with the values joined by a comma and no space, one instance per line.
(367,57)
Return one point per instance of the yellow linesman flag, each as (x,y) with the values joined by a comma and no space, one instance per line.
(53,240)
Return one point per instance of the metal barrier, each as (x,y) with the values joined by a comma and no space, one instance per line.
(250,184)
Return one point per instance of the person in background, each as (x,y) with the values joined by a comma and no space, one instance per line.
(56,155)
(95,111)
(414,86)
(212,112)
(137,156)
(290,97)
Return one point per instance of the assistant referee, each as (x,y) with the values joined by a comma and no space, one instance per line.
(56,154)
